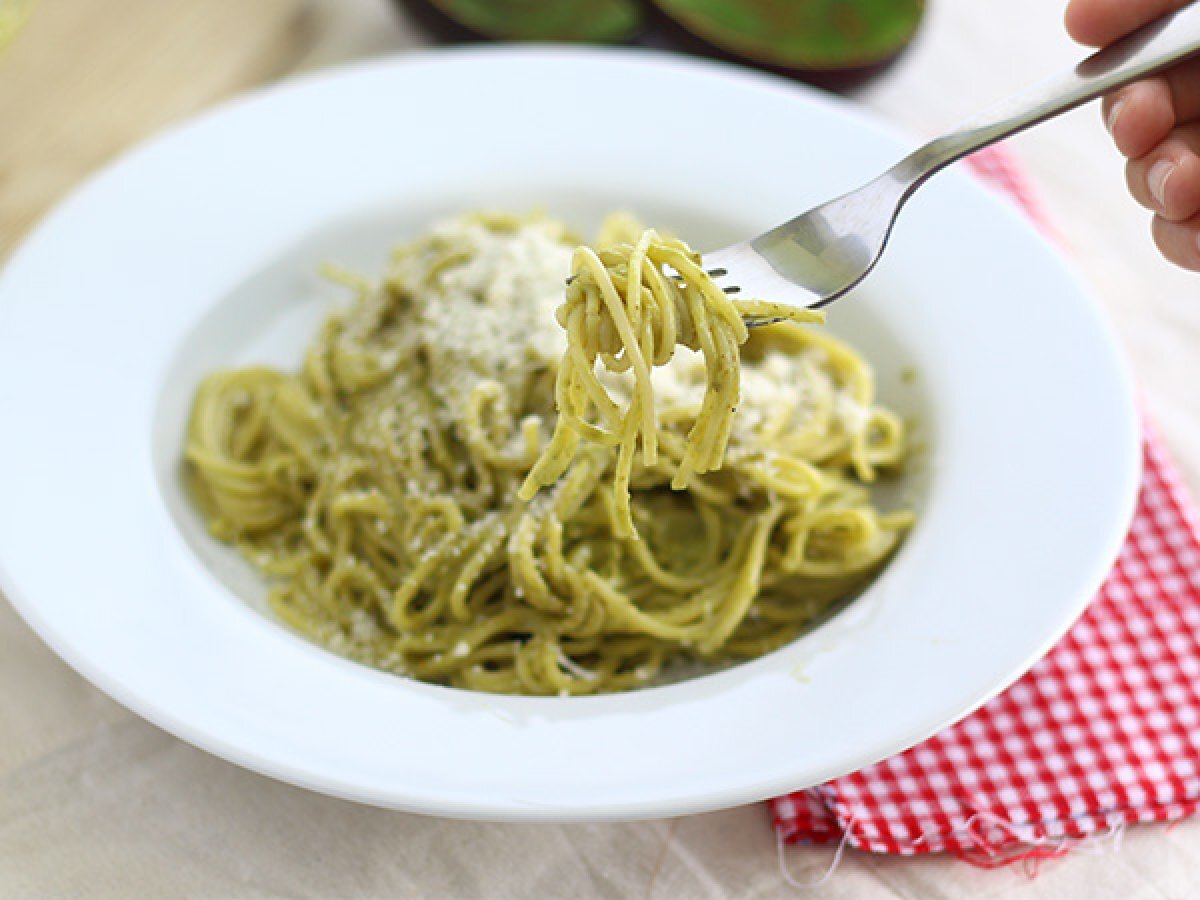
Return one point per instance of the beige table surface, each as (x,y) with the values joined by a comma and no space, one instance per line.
(96,803)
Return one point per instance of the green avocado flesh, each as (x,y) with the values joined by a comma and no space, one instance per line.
(546,20)
(802,34)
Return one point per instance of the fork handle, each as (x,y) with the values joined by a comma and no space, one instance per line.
(1144,52)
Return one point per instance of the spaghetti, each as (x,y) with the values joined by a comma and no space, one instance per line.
(454,488)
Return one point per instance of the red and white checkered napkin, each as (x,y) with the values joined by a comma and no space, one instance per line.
(1103,732)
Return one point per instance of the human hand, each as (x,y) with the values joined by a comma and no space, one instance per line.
(1155,124)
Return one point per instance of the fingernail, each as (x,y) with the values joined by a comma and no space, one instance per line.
(1113,114)
(1156,179)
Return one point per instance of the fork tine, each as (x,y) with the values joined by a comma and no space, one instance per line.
(752,276)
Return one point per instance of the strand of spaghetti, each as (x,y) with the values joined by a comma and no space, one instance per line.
(586,262)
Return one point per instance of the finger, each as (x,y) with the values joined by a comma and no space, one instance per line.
(1178,241)
(1167,179)
(1100,22)
(1141,115)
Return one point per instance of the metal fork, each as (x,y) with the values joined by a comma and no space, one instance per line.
(828,250)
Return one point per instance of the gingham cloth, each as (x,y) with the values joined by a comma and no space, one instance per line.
(1102,732)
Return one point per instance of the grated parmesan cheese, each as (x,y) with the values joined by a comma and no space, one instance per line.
(487,314)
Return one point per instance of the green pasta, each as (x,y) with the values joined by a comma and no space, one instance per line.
(380,488)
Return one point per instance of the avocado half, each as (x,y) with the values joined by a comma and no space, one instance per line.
(806,35)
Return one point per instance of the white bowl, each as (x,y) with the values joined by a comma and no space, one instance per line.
(200,249)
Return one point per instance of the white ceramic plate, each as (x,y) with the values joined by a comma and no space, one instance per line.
(200,249)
